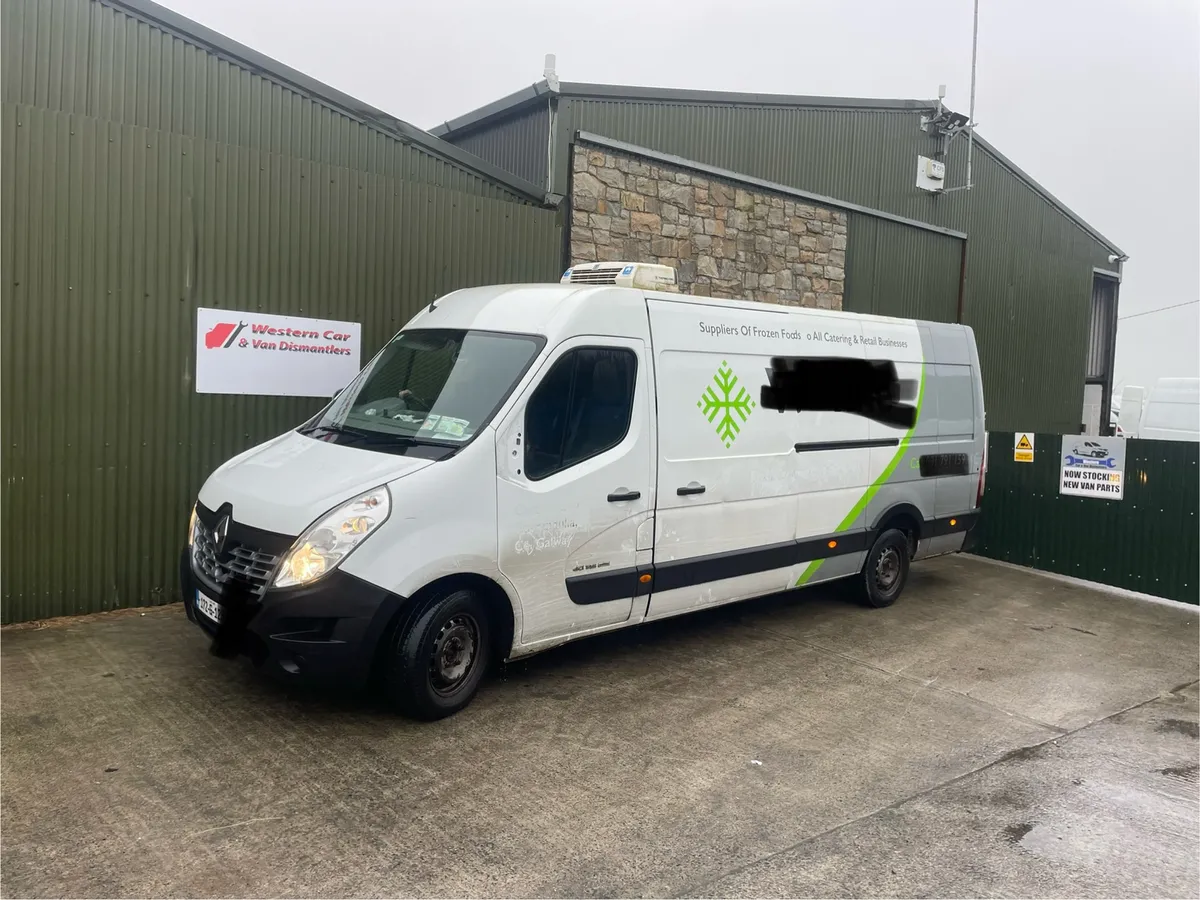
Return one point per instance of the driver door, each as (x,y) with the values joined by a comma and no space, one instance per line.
(575,487)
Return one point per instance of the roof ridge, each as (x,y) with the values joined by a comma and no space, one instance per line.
(527,95)
(626,92)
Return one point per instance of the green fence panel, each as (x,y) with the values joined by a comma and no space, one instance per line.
(1149,541)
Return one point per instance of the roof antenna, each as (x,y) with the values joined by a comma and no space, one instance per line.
(431,306)
(549,75)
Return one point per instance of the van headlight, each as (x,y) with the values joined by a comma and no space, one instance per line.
(329,540)
(192,527)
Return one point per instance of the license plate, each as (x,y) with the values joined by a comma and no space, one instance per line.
(209,607)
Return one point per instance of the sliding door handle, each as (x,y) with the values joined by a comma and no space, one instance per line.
(619,496)
(692,488)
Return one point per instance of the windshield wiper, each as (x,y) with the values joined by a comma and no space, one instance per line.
(328,429)
(370,437)
(382,437)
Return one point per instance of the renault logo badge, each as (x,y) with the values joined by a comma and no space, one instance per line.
(220,533)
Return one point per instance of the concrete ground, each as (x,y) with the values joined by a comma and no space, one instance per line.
(996,733)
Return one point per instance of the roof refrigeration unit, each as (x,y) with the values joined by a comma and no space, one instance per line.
(647,276)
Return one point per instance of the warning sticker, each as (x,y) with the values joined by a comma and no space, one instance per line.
(1023,446)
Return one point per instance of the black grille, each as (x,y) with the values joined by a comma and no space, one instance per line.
(234,563)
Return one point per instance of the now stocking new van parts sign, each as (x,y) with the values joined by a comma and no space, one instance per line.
(1092,467)
(278,356)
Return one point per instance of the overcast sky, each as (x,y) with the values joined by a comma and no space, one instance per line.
(1099,100)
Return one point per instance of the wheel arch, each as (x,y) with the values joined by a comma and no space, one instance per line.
(904,516)
(503,616)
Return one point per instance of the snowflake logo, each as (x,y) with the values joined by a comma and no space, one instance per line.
(724,402)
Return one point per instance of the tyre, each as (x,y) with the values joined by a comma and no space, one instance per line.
(885,572)
(438,657)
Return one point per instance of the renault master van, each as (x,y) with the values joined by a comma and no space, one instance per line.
(524,465)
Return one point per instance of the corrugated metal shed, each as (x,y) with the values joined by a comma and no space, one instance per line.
(134,62)
(142,176)
(1029,261)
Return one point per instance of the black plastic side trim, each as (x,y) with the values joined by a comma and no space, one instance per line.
(846,542)
(623,584)
(619,584)
(602,587)
(642,588)
(702,569)
(950,524)
(848,445)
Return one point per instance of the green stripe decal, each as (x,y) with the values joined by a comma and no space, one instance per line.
(812,567)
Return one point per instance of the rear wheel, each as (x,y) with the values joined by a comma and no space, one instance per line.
(437,660)
(885,572)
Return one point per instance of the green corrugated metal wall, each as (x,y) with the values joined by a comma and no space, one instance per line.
(518,144)
(112,232)
(1029,267)
(82,56)
(896,270)
(1148,541)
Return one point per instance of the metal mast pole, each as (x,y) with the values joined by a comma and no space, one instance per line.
(971,111)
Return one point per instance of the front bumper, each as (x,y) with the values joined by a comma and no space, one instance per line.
(328,632)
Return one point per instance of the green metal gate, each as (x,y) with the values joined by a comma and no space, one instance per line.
(1149,541)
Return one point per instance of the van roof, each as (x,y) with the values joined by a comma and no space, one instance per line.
(546,308)
(1175,390)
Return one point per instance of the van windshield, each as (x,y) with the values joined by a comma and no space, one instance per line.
(435,386)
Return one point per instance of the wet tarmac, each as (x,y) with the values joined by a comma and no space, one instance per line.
(996,733)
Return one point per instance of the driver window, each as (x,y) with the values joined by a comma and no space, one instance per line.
(581,408)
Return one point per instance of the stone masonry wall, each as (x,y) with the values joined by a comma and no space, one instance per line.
(723,240)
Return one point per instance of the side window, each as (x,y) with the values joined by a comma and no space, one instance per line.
(581,408)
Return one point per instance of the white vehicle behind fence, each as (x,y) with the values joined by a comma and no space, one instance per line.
(1170,412)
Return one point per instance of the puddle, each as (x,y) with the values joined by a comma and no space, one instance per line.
(1186,773)
(1014,833)
(1180,726)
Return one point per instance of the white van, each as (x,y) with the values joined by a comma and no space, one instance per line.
(524,465)
(1172,411)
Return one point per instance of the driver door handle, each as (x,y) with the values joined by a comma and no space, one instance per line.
(623,495)
(692,488)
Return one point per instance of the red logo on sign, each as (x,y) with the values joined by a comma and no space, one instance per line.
(222,335)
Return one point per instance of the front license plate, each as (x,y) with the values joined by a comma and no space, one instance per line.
(209,607)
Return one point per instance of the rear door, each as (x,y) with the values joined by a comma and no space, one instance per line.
(957,418)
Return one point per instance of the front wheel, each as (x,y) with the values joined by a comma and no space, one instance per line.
(885,572)
(436,662)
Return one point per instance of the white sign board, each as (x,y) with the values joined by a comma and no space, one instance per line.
(278,356)
(1092,467)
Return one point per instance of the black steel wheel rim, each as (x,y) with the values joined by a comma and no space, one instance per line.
(455,653)
(887,570)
